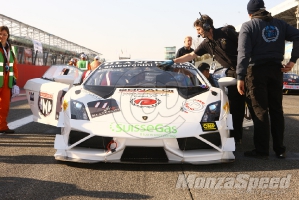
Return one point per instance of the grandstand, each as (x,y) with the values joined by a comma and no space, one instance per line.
(38,47)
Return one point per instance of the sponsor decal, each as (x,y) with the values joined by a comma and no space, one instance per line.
(291,86)
(97,104)
(45,103)
(145,102)
(102,107)
(270,33)
(143,129)
(226,107)
(65,105)
(146,92)
(193,105)
(208,126)
(125,64)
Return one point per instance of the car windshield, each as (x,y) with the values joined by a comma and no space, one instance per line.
(145,74)
(57,70)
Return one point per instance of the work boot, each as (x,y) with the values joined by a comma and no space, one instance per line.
(281,155)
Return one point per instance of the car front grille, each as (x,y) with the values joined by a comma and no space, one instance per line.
(144,154)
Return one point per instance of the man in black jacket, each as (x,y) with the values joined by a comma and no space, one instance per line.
(260,53)
(222,45)
(186,48)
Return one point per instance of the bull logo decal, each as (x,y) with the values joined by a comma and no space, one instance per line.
(144,117)
(45,103)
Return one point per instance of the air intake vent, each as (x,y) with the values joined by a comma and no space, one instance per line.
(192,143)
(95,142)
(144,154)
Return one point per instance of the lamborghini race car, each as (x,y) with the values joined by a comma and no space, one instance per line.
(134,111)
(290,83)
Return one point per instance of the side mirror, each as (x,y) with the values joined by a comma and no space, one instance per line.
(226,81)
(65,79)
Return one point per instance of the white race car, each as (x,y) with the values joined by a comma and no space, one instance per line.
(135,111)
(290,83)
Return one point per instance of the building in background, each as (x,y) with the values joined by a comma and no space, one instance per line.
(33,46)
(36,50)
(170,52)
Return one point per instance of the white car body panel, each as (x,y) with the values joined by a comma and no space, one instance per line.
(37,87)
(157,119)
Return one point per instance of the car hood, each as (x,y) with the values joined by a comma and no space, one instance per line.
(135,105)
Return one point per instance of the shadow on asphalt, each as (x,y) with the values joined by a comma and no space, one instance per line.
(14,188)
(241,163)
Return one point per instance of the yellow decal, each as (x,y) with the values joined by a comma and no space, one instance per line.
(65,105)
(209,126)
(226,107)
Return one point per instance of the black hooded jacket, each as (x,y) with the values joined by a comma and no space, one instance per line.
(262,39)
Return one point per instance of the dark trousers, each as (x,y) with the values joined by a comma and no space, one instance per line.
(264,87)
(237,107)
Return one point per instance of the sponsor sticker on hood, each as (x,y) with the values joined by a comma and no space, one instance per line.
(102,107)
(145,102)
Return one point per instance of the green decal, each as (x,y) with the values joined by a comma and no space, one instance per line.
(143,129)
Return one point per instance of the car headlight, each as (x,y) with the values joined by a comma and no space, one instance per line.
(212,112)
(78,110)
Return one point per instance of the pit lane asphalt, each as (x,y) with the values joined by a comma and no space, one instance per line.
(28,169)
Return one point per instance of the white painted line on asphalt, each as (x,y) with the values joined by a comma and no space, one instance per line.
(20,122)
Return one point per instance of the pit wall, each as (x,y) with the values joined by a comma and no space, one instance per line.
(27,72)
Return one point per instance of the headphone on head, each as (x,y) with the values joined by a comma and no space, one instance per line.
(205,25)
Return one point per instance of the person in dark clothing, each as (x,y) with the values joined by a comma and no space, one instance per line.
(186,48)
(222,44)
(204,68)
(260,53)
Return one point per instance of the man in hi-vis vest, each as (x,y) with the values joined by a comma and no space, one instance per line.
(83,64)
(8,76)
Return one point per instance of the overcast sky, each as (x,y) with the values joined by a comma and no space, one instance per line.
(141,27)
